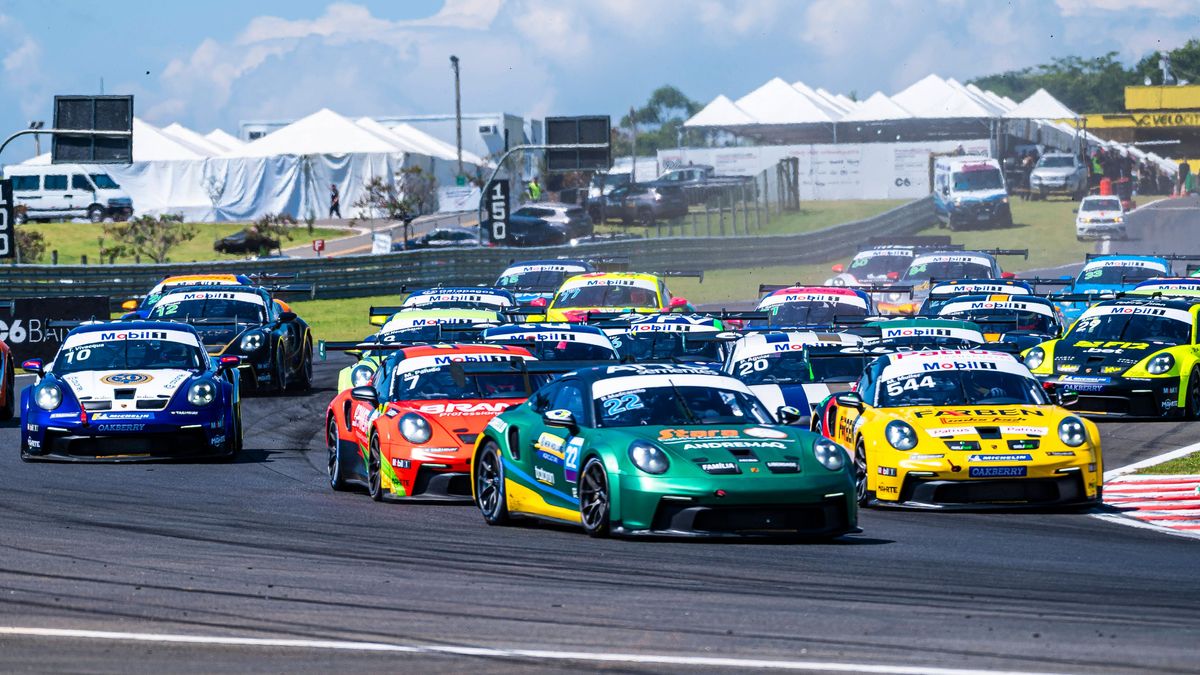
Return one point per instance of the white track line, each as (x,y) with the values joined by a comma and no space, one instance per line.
(488,652)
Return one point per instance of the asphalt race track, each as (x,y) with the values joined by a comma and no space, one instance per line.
(262,549)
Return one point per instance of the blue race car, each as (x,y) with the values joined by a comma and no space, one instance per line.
(129,391)
(1110,274)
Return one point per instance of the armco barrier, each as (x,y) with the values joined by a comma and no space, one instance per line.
(369,275)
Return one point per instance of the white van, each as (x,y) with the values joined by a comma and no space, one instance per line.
(970,191)
(62,191)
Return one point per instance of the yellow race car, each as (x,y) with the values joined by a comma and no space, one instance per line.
(614,293)
(962,429)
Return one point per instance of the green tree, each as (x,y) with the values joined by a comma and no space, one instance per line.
(31,245)
(1085,85)
(1185,64)
(659,122)
(149,236)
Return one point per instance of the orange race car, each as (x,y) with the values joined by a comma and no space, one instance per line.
(410,433)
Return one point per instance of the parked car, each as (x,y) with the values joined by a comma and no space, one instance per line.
(441,238)
(1100,217)
(63,191)
(534,231)
(578,223)
(245,241)
(1058,173)
(644,204)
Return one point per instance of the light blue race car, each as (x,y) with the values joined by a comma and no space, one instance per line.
(1103,276)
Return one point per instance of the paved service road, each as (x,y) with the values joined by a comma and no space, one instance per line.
(262,549)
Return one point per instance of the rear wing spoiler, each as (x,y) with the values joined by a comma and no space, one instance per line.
(517,365)
(66,323)
(1164,256)
(867,288)
(933,242)
(694,274)
(378,315)
(1023,252)
(1044,281)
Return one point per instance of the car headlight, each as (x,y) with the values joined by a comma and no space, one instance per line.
(47,396)
(648,457)
(829,454)
(1160,364)
(360,376)
(1119,219)
(1072,432)
(900,435)
(202,393)
(252,341)
(415,428)
(1035,357)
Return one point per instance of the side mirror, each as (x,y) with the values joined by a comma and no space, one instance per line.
(788,414)
(559,417)
(679,303)
(1066,398)
(539,302)
(1066,277)
(365,394)
(229,362)
(850,399)
(129,305)
(287,317)
(838,268)
(1008,275)
(33,366)
(893,276)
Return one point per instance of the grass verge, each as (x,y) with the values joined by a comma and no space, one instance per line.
(1186,465)
(74,240)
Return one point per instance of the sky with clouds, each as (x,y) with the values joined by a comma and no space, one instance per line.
(216,63)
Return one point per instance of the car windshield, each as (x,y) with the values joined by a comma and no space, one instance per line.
(983,179)
(813,313)
(878,264)
(1132,328)
(443,383)
(795,367)
(1004,320)
(1056,162)
(208,308)
(546,281)
(1100,205)
(647,347)
(104,181)
(947,269)
(129,355)
(1117,274)
(677,406)
(960,387)
(606,296)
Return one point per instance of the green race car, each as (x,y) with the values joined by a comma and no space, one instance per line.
(664,450)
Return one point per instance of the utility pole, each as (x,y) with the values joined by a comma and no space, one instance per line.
(633,131)
(457,113)
(37,140)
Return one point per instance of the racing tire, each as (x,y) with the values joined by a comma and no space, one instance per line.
(861,493)
(233,445)
(305,371)
(95,213)
(10,394)
(374,468)
(336,481)
(1191,402)
(594,503)
(489,486)
(279,379)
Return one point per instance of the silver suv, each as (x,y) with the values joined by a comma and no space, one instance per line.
(1058,173)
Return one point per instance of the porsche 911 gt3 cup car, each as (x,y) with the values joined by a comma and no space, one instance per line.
(797,369)
(1022,321)
(1110,274)
(140,310)
(411,431)
(884,259)
(555,341)
(813,307)
(943,265)
(534,282)
(610,293)
(1137,356)
(275,346)
(465,297)
(962,428)
(131,390)
(660,450)
(920,333)
(411,327)
(645,338)
(942,292)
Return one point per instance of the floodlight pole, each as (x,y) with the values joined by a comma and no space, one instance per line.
(523,148)
(457,113)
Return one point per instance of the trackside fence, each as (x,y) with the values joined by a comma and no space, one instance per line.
(370,275)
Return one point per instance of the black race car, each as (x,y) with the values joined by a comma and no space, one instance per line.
(275,345)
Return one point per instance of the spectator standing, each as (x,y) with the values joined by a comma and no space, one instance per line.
(1181,178)
(534,190)
(1027,163)
(335,201)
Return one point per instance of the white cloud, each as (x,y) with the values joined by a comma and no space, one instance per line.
(22,70)
(1089,8)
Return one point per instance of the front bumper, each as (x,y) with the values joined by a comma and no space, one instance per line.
(991,212)
(409,474)
(126,437)
(1104,396)
(797,505)
(999,493)
(1100,229)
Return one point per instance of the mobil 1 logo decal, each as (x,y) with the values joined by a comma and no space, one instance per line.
(496,202)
